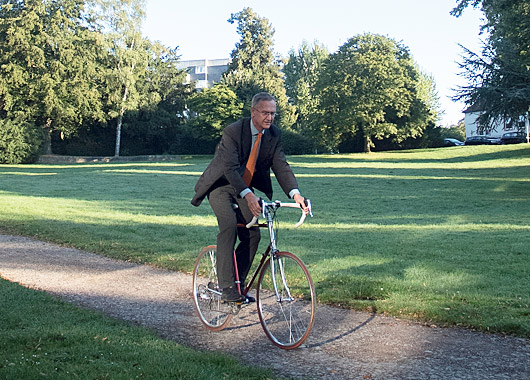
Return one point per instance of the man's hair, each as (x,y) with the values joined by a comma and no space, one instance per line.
(262,97)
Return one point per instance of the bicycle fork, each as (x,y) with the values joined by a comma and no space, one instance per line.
(273,262)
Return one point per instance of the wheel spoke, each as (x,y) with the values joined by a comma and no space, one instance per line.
(286,301)
(206,295)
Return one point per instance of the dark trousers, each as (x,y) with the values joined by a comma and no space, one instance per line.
(222,200)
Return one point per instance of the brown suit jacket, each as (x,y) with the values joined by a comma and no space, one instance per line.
(231,156)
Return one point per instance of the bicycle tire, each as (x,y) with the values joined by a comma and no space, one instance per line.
(206,294)
(286,322)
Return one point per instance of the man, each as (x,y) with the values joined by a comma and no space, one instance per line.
(231,178)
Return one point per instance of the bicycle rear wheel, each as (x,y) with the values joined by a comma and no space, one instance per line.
(287,313)
(206,293)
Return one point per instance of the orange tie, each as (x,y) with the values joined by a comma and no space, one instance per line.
(251,163)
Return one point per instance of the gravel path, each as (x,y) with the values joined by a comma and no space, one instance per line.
(343,344)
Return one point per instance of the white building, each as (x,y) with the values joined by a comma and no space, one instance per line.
(204,72)
(470,120)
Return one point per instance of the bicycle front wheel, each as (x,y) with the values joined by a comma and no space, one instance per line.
(206,293)
(286,300)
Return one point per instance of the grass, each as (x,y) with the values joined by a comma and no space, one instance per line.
(43,337)
(439,235)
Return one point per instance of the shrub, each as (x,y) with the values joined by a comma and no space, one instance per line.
(295,143)
(90,140)
(19,142)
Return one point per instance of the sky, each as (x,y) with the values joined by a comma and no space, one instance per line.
(201,31)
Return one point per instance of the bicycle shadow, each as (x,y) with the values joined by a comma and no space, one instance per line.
(324,320)
(322,331)
(247,317)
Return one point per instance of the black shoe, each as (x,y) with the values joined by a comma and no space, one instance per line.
(250,299)
(231,294)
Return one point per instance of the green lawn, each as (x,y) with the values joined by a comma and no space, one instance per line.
(45,338)
(440,235)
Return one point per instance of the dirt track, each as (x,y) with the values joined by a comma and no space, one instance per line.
(343,344)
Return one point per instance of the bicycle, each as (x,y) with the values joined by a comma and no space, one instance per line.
(285,294)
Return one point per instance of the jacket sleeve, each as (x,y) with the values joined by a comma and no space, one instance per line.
(230,157)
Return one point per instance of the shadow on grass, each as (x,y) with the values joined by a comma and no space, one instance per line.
(162,190)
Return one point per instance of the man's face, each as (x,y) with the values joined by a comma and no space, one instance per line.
(263,114)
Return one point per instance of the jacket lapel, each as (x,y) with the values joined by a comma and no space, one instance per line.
(266,143)
(246,141)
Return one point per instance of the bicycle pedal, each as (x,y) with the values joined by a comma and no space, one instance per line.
(238,303)
(230,307)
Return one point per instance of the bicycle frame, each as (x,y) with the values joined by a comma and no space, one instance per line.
(272,249)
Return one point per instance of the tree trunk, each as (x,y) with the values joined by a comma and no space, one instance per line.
(527,126)
(367,144)
(118,136)
(120,121)
(47,141)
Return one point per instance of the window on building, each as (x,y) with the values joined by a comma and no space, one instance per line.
(201,84)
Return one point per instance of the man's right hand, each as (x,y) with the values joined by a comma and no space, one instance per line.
(253,204)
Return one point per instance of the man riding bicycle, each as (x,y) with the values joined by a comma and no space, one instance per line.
(248,150)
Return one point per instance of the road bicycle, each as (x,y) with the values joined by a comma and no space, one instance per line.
(285,294)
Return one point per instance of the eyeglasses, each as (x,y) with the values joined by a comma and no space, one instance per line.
(265,113)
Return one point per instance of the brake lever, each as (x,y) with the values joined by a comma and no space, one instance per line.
(308,204)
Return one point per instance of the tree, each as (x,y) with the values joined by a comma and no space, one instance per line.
(457,131)
(121,21)
(302,71)
(213,110)
(422,113)
(499,78)
(253,67)
(372,86)
(165,82)
(154,126)
(47,66)
(72,67)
